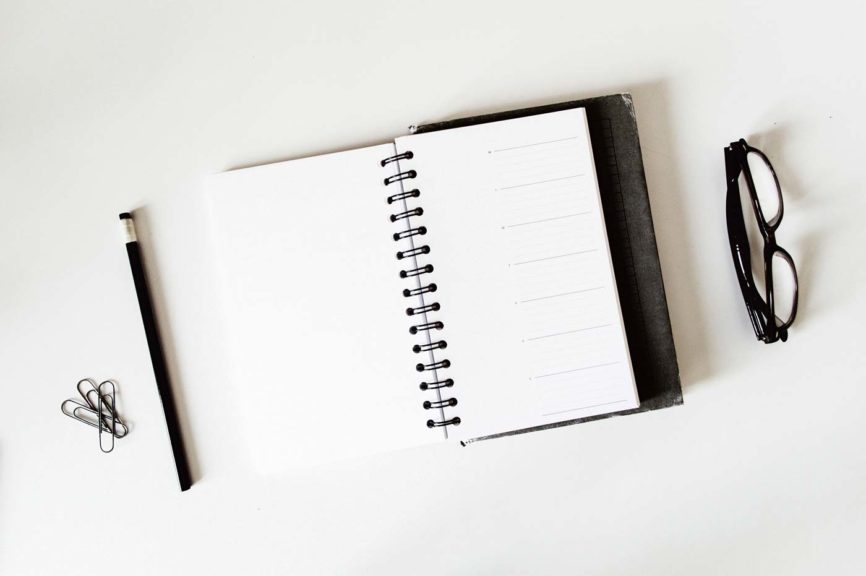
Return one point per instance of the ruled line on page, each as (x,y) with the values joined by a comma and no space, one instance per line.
(543,220)
(533,144)
(554,257)
(539,182)
(558,295)
(574,370)
(566,332)
(582,408)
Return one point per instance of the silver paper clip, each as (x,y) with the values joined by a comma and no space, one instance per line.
(98,410)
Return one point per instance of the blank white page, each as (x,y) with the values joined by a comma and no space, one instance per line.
(526,287)
(323,361)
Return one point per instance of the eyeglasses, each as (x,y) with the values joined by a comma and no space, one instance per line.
(765,270)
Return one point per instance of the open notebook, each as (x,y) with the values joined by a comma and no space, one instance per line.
(448,285)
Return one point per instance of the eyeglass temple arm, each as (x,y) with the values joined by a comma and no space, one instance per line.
(739,242)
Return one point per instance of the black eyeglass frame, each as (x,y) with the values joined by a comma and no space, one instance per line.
(761,309)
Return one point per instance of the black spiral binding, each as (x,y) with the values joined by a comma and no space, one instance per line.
(416,271)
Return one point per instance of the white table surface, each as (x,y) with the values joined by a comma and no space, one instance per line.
(109,106)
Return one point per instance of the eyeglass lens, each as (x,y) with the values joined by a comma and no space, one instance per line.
(784,288)
(769,195)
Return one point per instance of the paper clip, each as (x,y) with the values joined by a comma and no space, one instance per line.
(98,410)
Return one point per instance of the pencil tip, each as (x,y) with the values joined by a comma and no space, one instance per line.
(126,216)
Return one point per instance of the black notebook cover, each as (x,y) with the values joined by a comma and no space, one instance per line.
(624,198)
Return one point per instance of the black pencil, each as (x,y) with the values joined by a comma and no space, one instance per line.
(157,356)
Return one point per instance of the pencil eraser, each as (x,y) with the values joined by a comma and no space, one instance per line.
(128,225)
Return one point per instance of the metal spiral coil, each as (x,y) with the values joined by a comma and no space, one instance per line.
(447,383)
(413,252)
(415,270)
(434,307)
(450,422)
(422,290)
(418,348)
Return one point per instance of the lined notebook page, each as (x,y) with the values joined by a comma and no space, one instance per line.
(526,286)
(323,360)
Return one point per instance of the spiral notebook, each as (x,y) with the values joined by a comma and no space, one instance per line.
(450,285)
